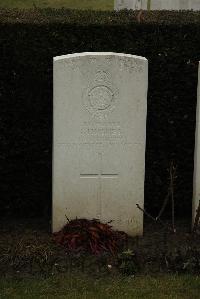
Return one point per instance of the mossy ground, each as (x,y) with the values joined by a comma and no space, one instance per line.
(73,4)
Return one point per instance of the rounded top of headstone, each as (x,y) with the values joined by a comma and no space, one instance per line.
(84,54)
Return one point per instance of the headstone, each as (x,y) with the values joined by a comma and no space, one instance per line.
(158,4)
(195,4)
(184,4)
(196,195)
(128,4)
(100,105)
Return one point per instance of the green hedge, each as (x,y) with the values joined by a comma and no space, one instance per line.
(28,42)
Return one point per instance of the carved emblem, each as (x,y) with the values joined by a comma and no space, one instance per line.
(100,96)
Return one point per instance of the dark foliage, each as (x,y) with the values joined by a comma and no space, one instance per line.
(90,237)
(183,260)
(128,263)
(28,42)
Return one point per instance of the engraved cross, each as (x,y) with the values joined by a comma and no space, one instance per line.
(100,175)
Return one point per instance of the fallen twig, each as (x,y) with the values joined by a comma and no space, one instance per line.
(151,217)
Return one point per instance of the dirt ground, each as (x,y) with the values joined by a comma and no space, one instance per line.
(27,247)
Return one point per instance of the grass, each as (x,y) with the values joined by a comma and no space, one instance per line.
(73,4)
(81,286)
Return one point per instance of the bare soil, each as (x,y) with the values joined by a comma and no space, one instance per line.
(27,247)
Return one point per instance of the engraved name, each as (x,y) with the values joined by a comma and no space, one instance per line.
(102,132)
(108,131)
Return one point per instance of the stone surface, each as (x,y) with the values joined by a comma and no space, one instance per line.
(196,196)
(100,103)
(158,4)
(127,4)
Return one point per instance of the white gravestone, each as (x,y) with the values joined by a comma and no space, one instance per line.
(127,4)
(196,195)
(158,4)
(100,105)
(195,4)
